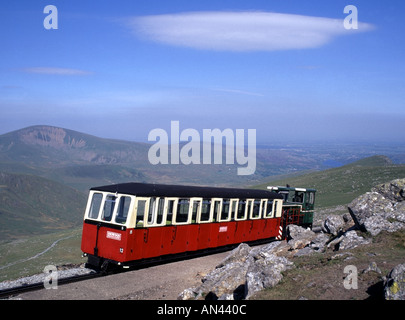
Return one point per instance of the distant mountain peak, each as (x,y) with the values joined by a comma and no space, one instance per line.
(55,137)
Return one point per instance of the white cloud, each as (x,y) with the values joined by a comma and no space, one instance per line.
(241,31)
(56,71)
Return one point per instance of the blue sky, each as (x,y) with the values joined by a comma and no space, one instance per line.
(289,69)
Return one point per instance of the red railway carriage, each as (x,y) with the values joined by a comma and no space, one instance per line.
(132,222)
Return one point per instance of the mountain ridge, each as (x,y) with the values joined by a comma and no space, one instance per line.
(66,146)
(49,150)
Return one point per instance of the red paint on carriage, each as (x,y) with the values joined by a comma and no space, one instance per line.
(143,243)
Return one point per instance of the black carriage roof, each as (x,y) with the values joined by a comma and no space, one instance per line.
(162,190)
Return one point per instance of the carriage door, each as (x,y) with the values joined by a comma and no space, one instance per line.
(194,227)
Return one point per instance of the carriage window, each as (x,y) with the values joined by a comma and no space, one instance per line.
(182,210)
(205,211)
(123,208)
(255,213)
(225,210)
(140,213)
(108,210)
(249,208)
(269,210)
(234,208)
(241,213)
(171,205)
(277,208)
(216,207)
(160,209)
(155,214)
(263,208)
(152,211)
(95,205)
(195,211)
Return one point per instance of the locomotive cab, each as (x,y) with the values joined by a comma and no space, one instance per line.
(302,198)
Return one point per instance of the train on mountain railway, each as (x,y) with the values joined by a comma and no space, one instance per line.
(132,223)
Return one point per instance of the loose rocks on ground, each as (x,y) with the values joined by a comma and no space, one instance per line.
(246,271)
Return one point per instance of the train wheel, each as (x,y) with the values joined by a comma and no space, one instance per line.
(105,266)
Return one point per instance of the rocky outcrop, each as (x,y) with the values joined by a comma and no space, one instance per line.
(333,225)
(394,287)
(348,240)
(242,273)
(382,209)
(298,237)
(247,270)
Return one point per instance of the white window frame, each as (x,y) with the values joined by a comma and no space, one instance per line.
(249,208)
(213,207)
(209,214)
(198,215)
(245,212)
(89,202)
(230,212)
(130,209)
(116,206)
(166,208)
(134,222)
(174,222)
(263,207)
(278,205)
(155,213)
(260,208)
(109,194)
(270,214)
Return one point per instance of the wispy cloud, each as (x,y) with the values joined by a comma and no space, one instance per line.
(248,93)
(241,31)
(56,71)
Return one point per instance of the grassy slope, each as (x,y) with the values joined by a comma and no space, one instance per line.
(32,205)
(25,257)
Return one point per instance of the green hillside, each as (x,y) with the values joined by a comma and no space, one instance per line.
(31,205)
(339,186)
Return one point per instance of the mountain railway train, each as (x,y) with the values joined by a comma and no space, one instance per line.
(131,223)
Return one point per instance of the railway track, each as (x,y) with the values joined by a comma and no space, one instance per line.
(13,291)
